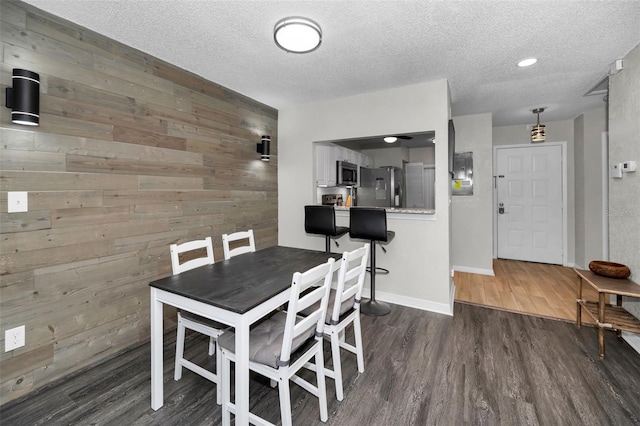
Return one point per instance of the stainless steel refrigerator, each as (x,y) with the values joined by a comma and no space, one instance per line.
(381,187)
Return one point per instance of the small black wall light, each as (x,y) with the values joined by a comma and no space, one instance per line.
(24,97)
(264,148)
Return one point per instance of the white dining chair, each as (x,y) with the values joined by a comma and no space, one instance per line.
(343,310)
(346,310)
(274,340)
(188,320)
(238,236)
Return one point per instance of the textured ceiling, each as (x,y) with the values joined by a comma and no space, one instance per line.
(374,45)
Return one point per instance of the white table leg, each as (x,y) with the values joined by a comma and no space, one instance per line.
(242,372)
(157,391)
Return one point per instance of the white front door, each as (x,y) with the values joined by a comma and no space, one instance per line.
(529,203)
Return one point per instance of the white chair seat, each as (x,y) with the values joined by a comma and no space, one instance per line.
(265,340)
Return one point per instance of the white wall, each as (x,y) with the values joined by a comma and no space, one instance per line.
(588,129)
(556,131)
(422,155)
(472,223)
(624,145)
(388,156)
(421,249)
(578,136)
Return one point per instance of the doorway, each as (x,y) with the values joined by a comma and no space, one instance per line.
(530,203)
(420,182)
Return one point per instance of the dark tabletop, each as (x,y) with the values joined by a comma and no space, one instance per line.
(243,282)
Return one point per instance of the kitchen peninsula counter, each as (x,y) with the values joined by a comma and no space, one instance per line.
(401,210)
(411,259)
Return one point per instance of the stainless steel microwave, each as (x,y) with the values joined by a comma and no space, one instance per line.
(347,174)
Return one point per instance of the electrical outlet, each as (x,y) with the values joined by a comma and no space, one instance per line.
(14,338)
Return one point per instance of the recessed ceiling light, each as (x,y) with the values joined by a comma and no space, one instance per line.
(390,139)
(297,35)
(527,62)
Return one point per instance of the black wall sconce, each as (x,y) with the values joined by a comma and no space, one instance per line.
(264,148)
(24,98)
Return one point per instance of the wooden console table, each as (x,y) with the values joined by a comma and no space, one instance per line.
(604,314)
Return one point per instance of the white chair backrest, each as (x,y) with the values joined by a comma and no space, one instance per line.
(353,270)
(319,278)
(236,236)
(176,249)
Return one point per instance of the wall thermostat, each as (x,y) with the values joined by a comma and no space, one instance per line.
(629,166)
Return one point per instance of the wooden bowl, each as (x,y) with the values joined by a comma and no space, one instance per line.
(609,269)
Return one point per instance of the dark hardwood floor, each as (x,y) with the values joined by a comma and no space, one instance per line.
(481,366)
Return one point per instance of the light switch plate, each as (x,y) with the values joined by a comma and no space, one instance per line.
(616,171)
(17,201)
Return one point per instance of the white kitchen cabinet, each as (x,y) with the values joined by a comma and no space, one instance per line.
(363,161)
(357,159)
(325,165)
(366,161)
(331,168)
(340,153)
(328,155)
(352,156)
(345,154)
(321,168)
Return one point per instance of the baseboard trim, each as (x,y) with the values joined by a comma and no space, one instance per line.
(632,339)
(471,270)
(412,302)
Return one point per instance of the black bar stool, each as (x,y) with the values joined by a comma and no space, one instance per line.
(321,220)
(371,224)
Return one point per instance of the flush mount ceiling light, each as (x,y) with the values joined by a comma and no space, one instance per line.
(527,62)
(538,131)
(394,138)
(297,34)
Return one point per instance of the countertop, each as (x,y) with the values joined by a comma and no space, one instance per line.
(405,210)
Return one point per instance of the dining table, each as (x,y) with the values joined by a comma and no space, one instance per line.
(236,292)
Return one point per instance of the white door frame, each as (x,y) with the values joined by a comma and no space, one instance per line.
(565,238)
(605,196)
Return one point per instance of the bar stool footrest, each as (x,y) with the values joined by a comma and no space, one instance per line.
(379,270)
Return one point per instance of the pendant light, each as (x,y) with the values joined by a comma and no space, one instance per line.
(538,131)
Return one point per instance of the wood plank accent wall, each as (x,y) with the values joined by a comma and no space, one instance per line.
(132,154)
